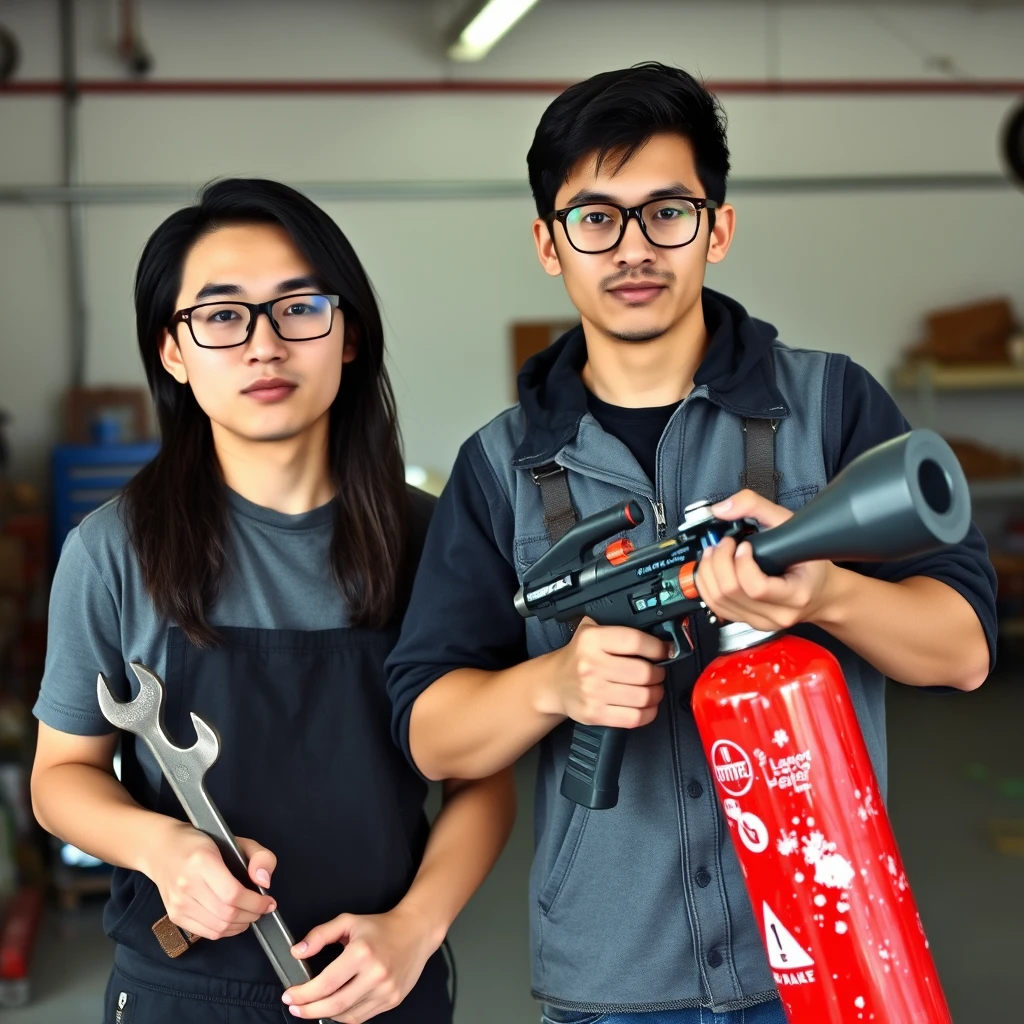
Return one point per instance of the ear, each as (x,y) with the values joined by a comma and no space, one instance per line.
(721,235)
(547,253)
(170,356)
(350,347)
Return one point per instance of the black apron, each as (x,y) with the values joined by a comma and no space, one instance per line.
(309,770)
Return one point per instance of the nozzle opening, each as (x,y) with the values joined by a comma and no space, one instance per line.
(936,487)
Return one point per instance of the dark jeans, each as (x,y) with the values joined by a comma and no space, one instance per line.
(764,1013)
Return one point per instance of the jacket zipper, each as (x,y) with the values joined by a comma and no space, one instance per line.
(659,516)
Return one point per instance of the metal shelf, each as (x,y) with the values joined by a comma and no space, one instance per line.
(966,377)
(996,490)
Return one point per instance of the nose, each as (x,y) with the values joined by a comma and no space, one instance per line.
(634,250)
(264,345)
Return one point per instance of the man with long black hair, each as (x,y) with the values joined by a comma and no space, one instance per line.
(671,392)
(260,565)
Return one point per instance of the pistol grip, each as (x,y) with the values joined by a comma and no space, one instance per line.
(591,776)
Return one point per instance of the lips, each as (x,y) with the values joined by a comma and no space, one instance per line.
(270,389)
(637,291)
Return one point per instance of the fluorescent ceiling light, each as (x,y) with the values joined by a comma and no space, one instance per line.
(490,24)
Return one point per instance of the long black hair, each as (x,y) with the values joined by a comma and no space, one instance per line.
(175,508)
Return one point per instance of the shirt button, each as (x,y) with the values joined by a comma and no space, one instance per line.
(703,877)
(695,789)
(714,958)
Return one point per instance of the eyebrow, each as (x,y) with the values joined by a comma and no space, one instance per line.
(292,284)
(589,196)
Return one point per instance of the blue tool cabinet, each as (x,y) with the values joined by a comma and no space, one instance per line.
(86,476)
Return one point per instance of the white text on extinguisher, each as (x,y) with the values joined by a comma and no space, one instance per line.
(791,772)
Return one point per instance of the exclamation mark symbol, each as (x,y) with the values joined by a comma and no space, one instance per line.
(782,955)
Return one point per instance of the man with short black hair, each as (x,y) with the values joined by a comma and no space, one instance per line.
(673,393)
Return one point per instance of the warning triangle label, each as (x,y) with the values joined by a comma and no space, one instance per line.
(784,952)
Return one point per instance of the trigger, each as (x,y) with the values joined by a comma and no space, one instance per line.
(682,641)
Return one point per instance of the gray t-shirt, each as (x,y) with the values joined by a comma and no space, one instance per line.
(278,576)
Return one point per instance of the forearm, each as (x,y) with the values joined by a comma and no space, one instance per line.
(87,807)
(470,723)
(919,631)
(468,836)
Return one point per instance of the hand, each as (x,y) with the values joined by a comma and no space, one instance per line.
(736,590)
(606,675)
(383,958)
(200,894)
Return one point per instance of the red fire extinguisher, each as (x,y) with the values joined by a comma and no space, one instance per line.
(826,883)
(829,893)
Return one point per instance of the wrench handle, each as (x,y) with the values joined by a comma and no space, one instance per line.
(270,929)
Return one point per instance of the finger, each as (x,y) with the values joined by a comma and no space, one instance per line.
(338,1006)
(224,911)
(754,583)
(194,917)
(262,863)
(230,891)
(620,696)
(332,977)
(365,1009)
(715,571)
(339,929)
(344,998)
(636,672)
(614,717)
(623,640)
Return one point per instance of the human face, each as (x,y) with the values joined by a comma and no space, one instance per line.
(637,291)
(256,263)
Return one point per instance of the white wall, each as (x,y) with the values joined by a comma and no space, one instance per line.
(851,271)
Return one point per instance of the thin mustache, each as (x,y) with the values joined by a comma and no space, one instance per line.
(647,277)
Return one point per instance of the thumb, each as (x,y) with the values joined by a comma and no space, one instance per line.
(747,504)
(338,930)
(261,861)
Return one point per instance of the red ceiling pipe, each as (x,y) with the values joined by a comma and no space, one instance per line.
(381,87)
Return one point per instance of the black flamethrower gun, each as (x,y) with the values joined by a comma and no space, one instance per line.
(890,501)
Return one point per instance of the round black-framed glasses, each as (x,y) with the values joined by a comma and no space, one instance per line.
(230,324)
(668,223)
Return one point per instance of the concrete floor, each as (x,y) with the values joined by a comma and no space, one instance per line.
(971,897)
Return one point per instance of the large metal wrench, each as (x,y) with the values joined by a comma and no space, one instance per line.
(185,770)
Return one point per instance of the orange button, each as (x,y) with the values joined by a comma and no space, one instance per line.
(619,551)
(686,581)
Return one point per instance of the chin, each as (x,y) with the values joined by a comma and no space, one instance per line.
(640,333)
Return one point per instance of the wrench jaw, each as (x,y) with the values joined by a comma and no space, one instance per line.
(145,709)
(206,749)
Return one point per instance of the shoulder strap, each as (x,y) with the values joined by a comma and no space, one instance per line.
(759,473)
(559,512)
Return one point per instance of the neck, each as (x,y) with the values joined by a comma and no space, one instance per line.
(291,475)
(645,374)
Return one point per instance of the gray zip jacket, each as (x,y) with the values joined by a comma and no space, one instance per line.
(643,907)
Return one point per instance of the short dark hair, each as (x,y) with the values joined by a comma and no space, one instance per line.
(175,508)
(616,113)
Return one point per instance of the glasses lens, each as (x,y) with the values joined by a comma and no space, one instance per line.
(299,317)
(593,228)
(220,324)
(671,222)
